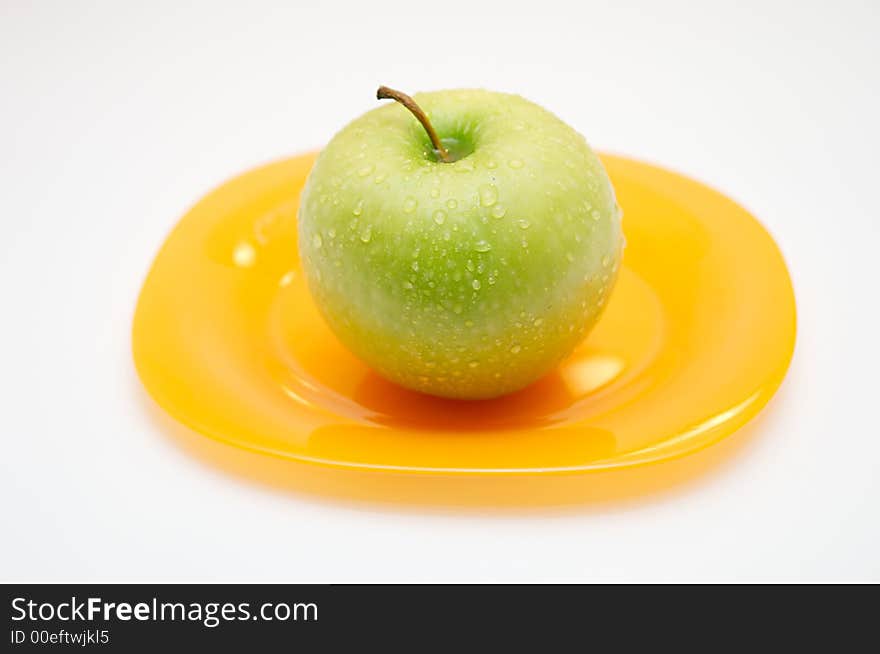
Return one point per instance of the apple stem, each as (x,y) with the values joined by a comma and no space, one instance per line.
(384,93)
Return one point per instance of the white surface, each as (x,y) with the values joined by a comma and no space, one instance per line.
(114,119)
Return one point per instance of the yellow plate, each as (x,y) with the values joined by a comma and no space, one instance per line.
(696,338)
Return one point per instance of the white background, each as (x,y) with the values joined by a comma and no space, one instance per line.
(115,117)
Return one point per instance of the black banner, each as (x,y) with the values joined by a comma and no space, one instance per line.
(134,618)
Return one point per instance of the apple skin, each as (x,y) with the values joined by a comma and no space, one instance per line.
(468,279)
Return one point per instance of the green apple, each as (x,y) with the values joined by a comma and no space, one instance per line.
(464,255)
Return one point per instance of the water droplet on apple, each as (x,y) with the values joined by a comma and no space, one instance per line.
(473,364)
(439,216)
(358,208)
(366,234)
(380,178)
(498,211)
(482,246)
(606,261)
(523,224)
(488,195)
(452,203)
(476,284)
(365,170)
(407,285)
(469,265)
(515,349)
(410,204)
(435,192)
(525,243)
(317,241)
(415,266)
(595,214)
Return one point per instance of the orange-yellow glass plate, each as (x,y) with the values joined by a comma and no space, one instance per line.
(696,339)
